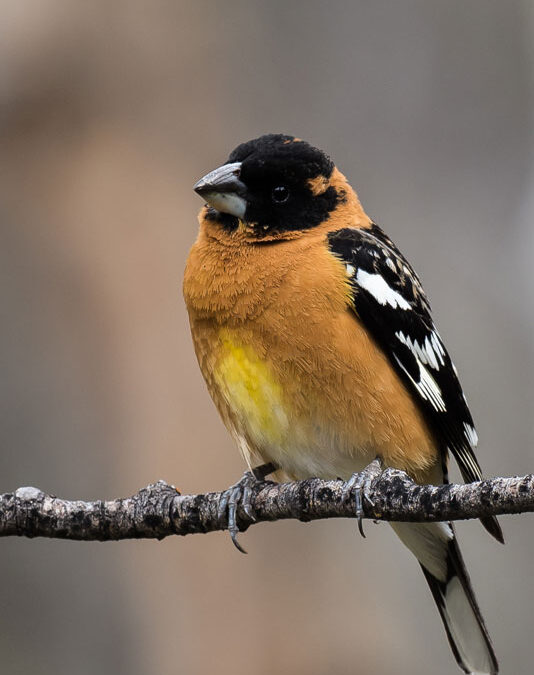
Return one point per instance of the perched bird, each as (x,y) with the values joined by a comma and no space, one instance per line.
(317,344)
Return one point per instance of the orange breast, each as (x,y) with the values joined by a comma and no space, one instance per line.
(272,328)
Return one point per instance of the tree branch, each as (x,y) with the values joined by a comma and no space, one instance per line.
(158,510)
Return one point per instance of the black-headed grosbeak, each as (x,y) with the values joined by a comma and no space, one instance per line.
(317,344)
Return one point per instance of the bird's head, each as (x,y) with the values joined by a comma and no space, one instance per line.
(273,187)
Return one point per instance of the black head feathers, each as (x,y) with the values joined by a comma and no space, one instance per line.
(278,171)
(280,154)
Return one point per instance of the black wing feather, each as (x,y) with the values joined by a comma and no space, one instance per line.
(390,301)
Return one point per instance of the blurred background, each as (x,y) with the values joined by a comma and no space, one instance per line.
(109,112)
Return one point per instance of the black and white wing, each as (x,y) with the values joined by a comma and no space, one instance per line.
(389,299)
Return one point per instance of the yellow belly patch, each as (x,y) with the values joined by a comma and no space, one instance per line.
(252,392)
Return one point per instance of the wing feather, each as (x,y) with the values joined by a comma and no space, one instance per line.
(390,301)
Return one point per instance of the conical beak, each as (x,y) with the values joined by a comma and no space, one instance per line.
(223,190)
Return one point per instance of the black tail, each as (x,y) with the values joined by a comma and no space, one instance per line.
(436,548)
(457,605)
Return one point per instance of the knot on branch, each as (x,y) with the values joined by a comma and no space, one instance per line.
(153,510)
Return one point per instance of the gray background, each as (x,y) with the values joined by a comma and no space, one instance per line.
(108,114)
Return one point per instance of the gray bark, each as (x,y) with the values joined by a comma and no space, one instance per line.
(158,510)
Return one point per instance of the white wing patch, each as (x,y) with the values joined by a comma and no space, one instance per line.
(377,286)
(471,434)
(469,462)
(426,386)
(430,352)
(438,345)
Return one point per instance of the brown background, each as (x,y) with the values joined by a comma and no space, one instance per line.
(108,114)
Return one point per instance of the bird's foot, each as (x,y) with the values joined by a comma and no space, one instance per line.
(240,495)
(361,482)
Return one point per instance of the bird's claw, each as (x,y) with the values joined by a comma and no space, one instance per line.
(240,495)
(361,483)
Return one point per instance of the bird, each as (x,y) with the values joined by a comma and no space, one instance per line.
(317,344)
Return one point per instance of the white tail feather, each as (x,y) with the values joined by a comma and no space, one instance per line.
(435,546)
(465,629)
(428,542)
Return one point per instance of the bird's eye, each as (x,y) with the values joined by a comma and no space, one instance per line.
(280,194)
